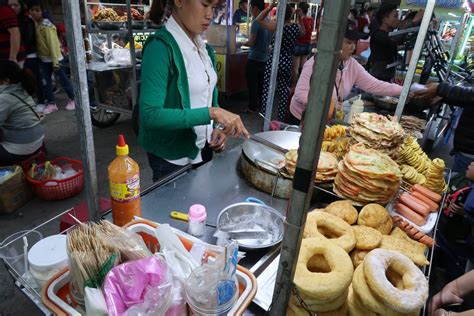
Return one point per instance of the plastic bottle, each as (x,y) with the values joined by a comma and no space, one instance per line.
(357,107)
(124,180)
(197,220)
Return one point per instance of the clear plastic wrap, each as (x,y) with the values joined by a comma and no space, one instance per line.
(118,57)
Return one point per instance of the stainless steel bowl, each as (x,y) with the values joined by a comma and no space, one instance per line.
(249,215)
(386,102)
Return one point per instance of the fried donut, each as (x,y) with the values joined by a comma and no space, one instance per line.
(367,238)
(415,285)
(376,216)
(357,256)
(315,305)
(362,290)
(325,225)
(338,312)
(344,210)
(355,306)
(325,287)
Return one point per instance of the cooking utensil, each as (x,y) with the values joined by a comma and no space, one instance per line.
(386,103)
(269,144)
(103,25)
(255,216)
(257,151)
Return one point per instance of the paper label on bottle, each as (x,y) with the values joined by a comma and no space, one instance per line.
(125,191)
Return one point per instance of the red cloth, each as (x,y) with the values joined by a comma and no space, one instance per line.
(7,20)
(308,24)
(362,22)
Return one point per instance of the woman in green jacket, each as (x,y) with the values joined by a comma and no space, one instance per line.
(178,96)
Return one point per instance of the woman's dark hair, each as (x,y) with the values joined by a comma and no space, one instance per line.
(354,13)
(260,4)
(158,10)
(11,71)
(384,11)
(288,12)
(304,6)
(362,11)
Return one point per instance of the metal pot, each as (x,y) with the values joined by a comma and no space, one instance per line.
(252,215)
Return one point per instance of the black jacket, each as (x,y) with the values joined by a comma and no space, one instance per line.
(463,97)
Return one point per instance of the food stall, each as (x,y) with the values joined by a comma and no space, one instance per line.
(364,172)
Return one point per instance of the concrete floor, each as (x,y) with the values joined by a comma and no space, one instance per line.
(62,140)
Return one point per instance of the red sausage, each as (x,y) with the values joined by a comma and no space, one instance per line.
(410,214)
(435,197)
(415,204)
(432,205)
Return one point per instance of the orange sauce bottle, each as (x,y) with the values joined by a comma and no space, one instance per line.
(124,181)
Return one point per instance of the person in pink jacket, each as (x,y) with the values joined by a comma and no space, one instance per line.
(349,73)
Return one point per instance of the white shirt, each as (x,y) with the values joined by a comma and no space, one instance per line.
(202,79)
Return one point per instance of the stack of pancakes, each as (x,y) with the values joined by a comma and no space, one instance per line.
(412,124)
(367,176)
(377,132)
(327,165)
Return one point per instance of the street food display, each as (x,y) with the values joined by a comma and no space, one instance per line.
(411,175)
(410,153)
(378,132)
(367,175)
(326,170)
(375,216)
(412,124)
(106,15)
(435,176)
(336,140)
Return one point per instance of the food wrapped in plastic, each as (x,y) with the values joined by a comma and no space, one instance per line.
(140,287)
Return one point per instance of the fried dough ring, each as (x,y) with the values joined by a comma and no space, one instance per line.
(325,287)
(415,285)
(316,306)
(362,290)
(330,225)
(357,256)
(355,306)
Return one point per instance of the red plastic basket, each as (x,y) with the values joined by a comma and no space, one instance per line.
(59,189)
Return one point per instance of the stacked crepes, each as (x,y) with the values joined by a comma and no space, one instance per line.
(377,132)
(412,124)
(327,165)
(367,176)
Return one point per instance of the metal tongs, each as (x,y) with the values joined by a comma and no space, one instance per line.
(242,234)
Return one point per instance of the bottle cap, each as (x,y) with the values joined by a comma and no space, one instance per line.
(197,213)
(122,148)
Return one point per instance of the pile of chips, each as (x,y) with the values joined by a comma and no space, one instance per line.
(410,153)
(336,140)
(412,176)
(378,132)
(367,176)
(327,165)
(435,177)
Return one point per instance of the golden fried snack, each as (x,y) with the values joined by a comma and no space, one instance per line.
(410,153)
(344,210)
(415,291)
(335,131)
(326,287)
(343,310)
(376,216)
(328,226)
(357,256)
(367,238)
(435,177)
(355,306)
(400,245)
(412,176)
(315,305)
(368,299)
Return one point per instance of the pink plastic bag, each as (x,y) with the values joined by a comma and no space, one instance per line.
(140,287)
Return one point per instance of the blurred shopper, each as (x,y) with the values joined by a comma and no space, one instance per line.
(178,95)
(258,42)
(291,31)
(240,15)
(349,73)
(50,57)
(21,134)
(384,48)
(302,47)
(462,96)
(10,36)
(28,41)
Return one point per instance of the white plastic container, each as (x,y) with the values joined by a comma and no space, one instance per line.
(197,220)
(357,107)
(47,257)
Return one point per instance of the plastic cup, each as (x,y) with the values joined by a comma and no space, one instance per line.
(196,307)
(11,248)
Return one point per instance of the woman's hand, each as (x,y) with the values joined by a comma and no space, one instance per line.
(470,172)
(448,295)
(232,123)
(429,93)
(218,140)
